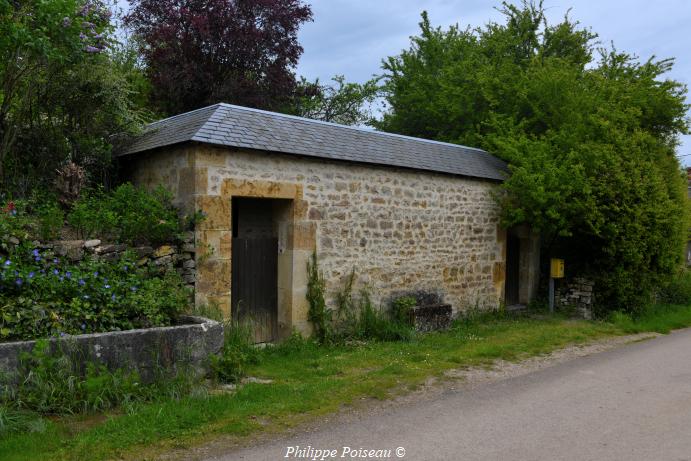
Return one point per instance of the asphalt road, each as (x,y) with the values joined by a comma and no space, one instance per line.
(631,403)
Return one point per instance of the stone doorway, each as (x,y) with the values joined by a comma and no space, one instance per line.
(256,226)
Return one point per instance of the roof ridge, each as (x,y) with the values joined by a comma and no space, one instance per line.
(349,127)
(208,118)
(184,114)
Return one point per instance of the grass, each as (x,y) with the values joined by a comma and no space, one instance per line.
(312,380)
(663,318)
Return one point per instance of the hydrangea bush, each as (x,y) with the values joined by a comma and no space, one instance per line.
(42,295)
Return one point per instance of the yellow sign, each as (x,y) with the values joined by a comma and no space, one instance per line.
(556,268)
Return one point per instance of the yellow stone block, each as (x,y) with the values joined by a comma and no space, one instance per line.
(217,210)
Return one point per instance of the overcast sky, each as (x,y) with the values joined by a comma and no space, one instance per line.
(351,37)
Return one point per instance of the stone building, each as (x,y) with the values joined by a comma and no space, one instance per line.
(406,214)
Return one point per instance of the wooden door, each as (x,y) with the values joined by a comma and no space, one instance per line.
(513,251)
(254,286)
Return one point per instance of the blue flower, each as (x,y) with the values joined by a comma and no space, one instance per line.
(106,286)
(125,268)
(37,258)
(62,335)
(35,252)
(113,297)
(31,275)
(68,274)
(56,260)
(56,272)
(19,282)
(95,274)
(83,326)
(82,282)
(133,288)
(61,278)
(8,262)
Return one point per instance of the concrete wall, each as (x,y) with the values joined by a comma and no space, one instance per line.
(147,351)
(401,230)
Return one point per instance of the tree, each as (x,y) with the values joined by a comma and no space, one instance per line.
(62,95)
(342,102)
(200,52)
(589,133)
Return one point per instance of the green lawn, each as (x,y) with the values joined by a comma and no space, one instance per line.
(310,381)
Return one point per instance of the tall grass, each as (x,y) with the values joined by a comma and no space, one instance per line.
(58,382)
(237,353)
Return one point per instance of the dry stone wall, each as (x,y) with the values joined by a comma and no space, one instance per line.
(179,256)
(576,294)
(400,230)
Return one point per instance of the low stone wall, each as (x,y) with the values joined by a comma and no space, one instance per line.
(147,351)
(435,317)
(577,294)
(430,313)
(180,257)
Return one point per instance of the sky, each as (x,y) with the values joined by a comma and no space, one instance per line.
(351,37)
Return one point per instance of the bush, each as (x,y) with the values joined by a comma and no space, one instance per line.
(237,353)
(127,214)
(357,319)
(317,313)
(42,296)
(14,223)
(38,218)
(374,324)
(677,290)
(401,309)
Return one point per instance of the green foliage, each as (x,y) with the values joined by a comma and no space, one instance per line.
(65,89)
(342,102)
(14,223)
(57,381)
(238,352)
(677,289)
(317,313)
(42,296)
(659,318)
(356,318)
(401,309)
(52,383)
(190,222)
(127,214)
(590,136)
(51,219)
(39,217)
(19,421)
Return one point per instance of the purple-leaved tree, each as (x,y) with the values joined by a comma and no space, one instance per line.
(200,52)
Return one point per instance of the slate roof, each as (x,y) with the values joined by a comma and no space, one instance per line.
(242,127)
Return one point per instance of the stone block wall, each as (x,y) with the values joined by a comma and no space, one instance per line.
(576,294)
(399,229)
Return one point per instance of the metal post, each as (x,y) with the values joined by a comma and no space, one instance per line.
(551,295)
